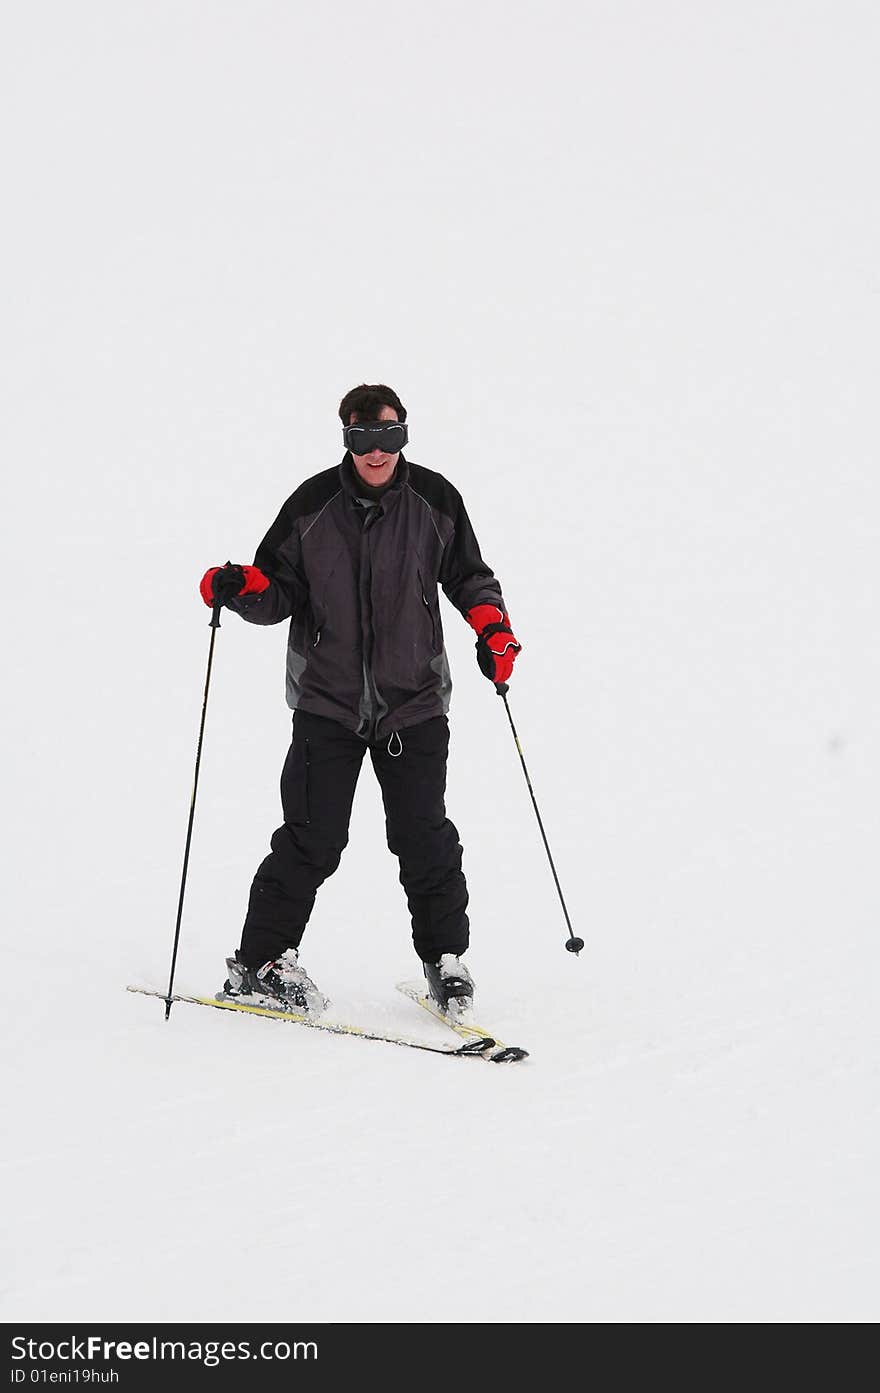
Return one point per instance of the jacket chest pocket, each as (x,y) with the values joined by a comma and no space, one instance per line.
(328,578)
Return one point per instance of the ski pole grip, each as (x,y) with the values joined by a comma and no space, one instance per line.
(217,606)
(502,688)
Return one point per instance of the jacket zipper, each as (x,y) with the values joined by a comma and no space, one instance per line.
(376,702)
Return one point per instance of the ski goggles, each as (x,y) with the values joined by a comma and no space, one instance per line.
(388,436)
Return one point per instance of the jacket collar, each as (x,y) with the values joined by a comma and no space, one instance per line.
(351,483)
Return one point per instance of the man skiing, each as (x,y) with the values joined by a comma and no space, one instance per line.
(353,561)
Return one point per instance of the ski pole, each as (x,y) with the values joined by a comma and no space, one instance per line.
(574,945)
(215,625)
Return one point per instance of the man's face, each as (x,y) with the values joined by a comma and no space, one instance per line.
(377,467)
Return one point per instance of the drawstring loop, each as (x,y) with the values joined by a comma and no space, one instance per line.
(395,735)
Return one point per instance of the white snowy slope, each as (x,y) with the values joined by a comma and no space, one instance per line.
(620,263)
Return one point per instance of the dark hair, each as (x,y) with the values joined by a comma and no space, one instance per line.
(366,403)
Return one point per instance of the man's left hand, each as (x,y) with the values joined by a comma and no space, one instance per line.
(496,646)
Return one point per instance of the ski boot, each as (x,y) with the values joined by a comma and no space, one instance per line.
(282,985)
(450,985)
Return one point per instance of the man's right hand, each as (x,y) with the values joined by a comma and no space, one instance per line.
(221,584)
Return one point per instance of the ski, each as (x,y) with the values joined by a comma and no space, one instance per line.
(493,1048)
(475,1047)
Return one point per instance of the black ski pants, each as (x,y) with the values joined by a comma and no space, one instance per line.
(317,791)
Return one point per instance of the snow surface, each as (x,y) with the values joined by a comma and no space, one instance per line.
(620,261)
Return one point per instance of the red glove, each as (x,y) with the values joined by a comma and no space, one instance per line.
(496,646)
(232,581)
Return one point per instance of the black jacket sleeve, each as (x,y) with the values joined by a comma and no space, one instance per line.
(464,575)
(279,556)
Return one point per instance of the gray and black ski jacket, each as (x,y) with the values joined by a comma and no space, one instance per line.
(358,582)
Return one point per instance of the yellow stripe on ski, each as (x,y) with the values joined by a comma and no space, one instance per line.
(467,1031)
(462,1028)
(259,1011)
(298,1018)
